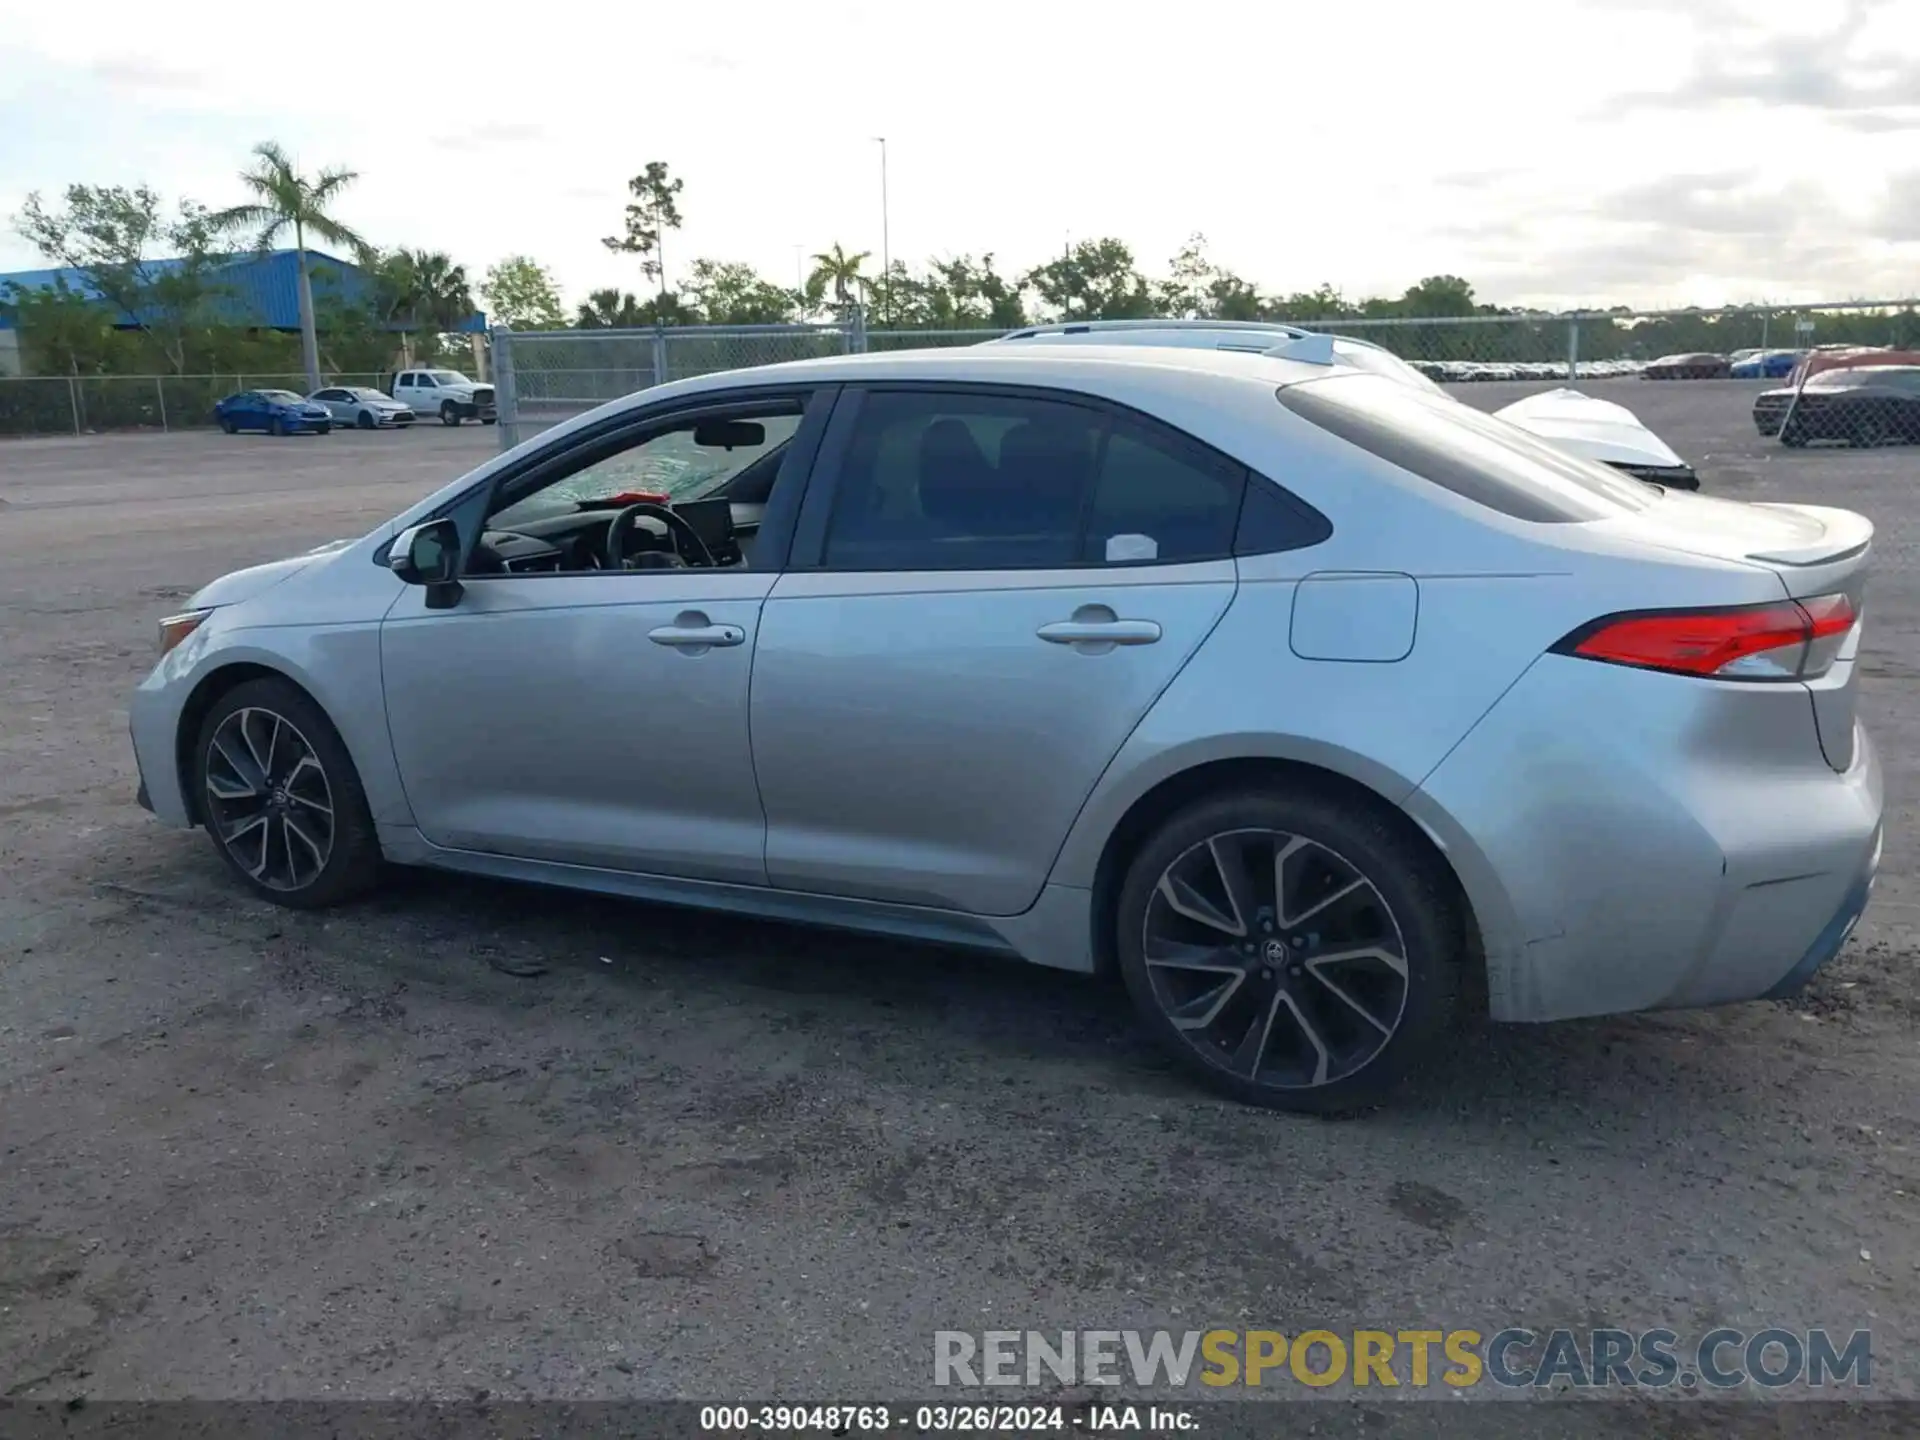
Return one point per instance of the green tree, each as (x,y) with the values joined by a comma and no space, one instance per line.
(839,272)
(653,210)
(729,293)
(1095,280)
(285,200)
(1199,289)
(520,291)
(110,235)
(62,331)
(422,293)
(609,310)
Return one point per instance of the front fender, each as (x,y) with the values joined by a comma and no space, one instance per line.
(337,664)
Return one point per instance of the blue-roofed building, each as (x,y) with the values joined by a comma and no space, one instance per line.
(257,290)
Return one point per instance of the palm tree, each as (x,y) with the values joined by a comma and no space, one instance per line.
(284,199)
(441,298)
(610,310)
(840,270)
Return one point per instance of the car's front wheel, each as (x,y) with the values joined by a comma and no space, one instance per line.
(365,420)
(449,415)
(281,799)
(1294,950)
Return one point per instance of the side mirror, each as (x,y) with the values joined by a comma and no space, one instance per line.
(429,555)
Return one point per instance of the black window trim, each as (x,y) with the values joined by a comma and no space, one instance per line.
(822,492)
(617,432)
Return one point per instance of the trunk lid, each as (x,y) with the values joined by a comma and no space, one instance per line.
(1815,550)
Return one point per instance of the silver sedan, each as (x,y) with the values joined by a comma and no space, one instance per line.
(1309,702)
(362,407)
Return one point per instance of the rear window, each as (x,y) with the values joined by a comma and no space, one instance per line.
(1486,460)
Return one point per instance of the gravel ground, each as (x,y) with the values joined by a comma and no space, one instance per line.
(249,1153)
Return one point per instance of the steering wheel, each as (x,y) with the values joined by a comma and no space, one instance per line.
(686,540)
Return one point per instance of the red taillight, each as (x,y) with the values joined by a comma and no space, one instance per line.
(1793,640)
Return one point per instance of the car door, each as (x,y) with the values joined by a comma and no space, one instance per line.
(591,717)
(985,599)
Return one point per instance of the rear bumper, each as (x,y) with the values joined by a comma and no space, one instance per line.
(1632,841)
(1827,943)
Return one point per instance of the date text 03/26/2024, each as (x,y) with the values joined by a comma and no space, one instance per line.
(940,1419)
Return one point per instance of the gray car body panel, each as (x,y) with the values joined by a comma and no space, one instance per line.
(899,753)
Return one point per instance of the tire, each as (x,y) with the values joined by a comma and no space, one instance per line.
(491,420)
(325,427)
(1794,434)
(1870,432)
(1370,902)
(448,414)
(227,424)
(266,750)
(365,420)
(278,427)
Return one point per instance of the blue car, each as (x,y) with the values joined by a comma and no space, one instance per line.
(278,412)
(1767,365)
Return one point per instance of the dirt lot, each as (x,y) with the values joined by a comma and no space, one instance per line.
(250,1153)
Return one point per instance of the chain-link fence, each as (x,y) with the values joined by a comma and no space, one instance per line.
(91,404)
(545,377)
(1833,372)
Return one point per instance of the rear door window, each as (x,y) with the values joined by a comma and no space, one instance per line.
(1456,447)
(949,479)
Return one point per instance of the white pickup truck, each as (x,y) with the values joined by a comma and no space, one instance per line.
(446,393)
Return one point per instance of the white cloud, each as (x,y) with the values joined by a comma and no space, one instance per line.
(1549,150)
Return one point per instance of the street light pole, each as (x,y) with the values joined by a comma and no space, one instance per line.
(886,258)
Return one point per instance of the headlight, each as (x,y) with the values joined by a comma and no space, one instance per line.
(176,628)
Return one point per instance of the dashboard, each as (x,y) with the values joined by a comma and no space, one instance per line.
(577,541)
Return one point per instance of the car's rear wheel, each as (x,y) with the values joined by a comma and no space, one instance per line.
(1291,949)
(281,799)
(279,426)
(449,415)
(365,420)
(227,424)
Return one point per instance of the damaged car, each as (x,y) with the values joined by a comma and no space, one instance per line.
(1579,424)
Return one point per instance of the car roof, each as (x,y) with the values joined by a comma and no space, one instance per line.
(1043,364)
(1093,368)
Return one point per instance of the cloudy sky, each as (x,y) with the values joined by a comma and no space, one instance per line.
(1552,151)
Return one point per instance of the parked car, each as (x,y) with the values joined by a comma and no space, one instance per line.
(1764,364)
(1101,656)
(1576,423)
(1861,405)
(1601,430)
(1691,366)
(278,412)
(446,393)
(363,407)
(1842,357)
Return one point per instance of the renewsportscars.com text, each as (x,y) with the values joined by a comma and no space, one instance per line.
(1420,1358)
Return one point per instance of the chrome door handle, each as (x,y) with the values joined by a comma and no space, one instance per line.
(1100,632)
(702,636)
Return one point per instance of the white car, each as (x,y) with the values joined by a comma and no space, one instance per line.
(1592,429)
(446,393)
(362,407)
